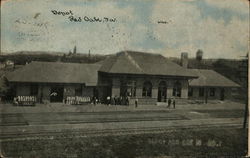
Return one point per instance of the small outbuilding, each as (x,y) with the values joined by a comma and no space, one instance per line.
(211,85)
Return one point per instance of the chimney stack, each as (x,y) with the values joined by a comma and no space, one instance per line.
(184,59)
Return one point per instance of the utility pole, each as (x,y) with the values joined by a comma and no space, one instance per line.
(74,50)
(244,79)
(243,74)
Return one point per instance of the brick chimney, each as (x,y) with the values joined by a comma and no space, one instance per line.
(184,59)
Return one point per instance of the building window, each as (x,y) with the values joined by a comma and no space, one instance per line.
(147,89)
(177,89)
(212,92)
(190,92)
(33,90)
(201,92)
(133,89)
(234,91)
(128,88)
(78,91)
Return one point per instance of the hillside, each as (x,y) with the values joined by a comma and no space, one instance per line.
(22,57)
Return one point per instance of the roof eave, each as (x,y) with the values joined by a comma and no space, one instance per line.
(115,73)
(235,86)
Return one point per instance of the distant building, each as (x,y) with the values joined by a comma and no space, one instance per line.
(199,55)
(2,65)
(9,64)
(148,77)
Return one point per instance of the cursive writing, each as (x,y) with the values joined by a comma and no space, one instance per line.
(91,19)
(63,13)
(72,18)
(37,24)
(162,22)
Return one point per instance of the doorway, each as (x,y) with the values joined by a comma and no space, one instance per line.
(222,94)
(162,92)
(56,94)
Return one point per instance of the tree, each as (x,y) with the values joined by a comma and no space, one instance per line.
(4,86)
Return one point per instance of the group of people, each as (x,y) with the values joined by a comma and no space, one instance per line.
(125,101)
(95,100)
(171,101)
(117,100)
(114,101)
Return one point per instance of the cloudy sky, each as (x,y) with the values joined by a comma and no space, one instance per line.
(219,27)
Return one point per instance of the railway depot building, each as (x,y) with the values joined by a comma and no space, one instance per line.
(150,78)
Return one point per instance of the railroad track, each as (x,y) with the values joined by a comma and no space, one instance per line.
(21,120)
(46,134)
(96,112)
(16,120)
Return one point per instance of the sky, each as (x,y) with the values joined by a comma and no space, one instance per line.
(220,28)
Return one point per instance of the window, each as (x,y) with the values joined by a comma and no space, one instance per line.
(177,89)
(147,89)
(33,90)
(201,92)
(190,92)
(212,92)
(162,89)
(78,91)
(133,89)
(128,88)
(162,92)
(234,91)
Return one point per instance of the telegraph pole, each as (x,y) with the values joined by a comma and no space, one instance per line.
(244,79)
(243,74)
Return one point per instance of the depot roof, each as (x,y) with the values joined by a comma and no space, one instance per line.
(210,78)
(131,62)
(56,72)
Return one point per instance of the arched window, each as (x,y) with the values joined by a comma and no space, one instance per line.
(147,89)
(162,92)
(177,89)
(128,88)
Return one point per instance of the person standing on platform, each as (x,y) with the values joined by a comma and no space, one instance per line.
(127,101)
(136,103)
(94,100)
(169,102)
(174,103)
(115,100)
(108,100)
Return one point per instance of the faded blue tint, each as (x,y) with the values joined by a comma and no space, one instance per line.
(143,10)
(207,10)
(79,2)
